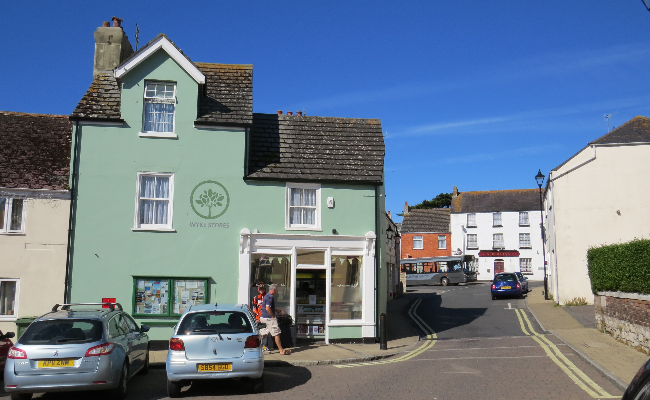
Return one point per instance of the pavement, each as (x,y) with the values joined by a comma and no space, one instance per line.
(575,326)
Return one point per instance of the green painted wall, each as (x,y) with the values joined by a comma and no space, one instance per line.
(345,332)
(107,252)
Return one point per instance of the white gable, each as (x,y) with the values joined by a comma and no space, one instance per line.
(174,53)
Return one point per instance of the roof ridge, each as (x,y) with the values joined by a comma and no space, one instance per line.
(18,113)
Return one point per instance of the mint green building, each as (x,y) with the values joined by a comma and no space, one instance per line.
(182,195)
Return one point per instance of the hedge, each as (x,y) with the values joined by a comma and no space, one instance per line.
(620,267)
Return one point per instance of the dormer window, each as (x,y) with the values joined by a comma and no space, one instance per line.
(159,109)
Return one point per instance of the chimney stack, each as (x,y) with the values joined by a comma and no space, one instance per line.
(454,193)
(406,207)
(289,112)
(111,46)
(299,113)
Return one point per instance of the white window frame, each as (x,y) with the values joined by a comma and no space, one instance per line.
(287,205)
(497,219)
(470,245)
(524,218)
(9,201)
(420,240)
(497,238)
(170,208)
(146,99)
(529,262)
(442,239)
(471,220)
(15,315)
(522,241)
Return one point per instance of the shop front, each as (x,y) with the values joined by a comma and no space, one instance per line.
(325,283)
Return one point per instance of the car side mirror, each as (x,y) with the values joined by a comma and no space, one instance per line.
(144,328)
(7,335)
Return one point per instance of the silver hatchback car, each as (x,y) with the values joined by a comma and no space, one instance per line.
(215,342)
(77,347)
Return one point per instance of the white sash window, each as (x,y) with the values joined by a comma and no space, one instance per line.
(159,107)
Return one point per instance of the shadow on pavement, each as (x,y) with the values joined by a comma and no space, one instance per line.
(449,318)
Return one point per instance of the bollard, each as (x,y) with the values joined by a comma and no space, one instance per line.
(382,332)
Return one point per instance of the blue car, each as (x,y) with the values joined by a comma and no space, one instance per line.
(506,284)
(523,280)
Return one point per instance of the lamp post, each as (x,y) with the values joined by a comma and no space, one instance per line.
(540,181)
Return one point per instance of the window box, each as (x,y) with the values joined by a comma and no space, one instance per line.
(167,297)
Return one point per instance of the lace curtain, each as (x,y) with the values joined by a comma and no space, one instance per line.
(302,207)
(154,200)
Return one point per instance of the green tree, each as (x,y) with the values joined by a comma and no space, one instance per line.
(210,199)
(443,200)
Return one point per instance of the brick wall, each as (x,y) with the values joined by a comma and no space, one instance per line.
(626,317)
(430,245)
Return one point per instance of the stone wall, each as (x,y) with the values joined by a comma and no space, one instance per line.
(625,316)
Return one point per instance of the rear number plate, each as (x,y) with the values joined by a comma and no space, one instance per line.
(506,287)
(68,362)
(214,367)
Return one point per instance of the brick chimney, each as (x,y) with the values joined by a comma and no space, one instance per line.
(111,46)
(406,207)
(454,192)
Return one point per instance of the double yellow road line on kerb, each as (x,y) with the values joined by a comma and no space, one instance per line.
(576,375)
(429,341)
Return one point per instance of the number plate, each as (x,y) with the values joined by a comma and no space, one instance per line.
(67,362)
(506,287)
(214,367)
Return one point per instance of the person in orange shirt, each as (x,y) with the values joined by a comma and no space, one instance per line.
(257,301)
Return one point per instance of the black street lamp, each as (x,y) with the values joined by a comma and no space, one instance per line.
(540,181)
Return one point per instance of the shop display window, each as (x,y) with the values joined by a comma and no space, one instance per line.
(345,296)
(272,268)
(157,296)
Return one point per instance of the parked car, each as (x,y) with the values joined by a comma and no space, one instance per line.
(5,345)
(506,284)
(78,347)
(523,280)
(215,342)
(639,388)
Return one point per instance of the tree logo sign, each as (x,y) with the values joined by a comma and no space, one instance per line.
(209,199)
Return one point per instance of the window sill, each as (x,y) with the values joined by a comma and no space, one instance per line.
(13,233)
(524,224)
(472,248)
(471,226)
(160,135)
(153,230)
(7,318)
(497,226)
(303,228)
(528,248)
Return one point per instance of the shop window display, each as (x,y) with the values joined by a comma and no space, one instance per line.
(345,296)
(268,269)
(156,296)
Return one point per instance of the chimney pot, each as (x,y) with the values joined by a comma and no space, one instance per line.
(106,24)
(117,22)
(289,112)
(299,113)
(279,112)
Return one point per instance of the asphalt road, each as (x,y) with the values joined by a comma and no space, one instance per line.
(473,347)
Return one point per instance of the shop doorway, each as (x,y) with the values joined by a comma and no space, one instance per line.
(311,296)
(499,266)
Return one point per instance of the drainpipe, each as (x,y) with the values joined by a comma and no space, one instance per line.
(73,199)
(377,261)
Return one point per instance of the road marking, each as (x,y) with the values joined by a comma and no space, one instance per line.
(430,340)
(573,372)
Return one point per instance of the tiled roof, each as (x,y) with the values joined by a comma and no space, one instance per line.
(633,131)
(228,96)
(427,220)
(101,101)
(495,201)
(303,148)
(34,151)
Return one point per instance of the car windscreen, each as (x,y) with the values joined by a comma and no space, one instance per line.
(505,278)
(62,331)
(211,322)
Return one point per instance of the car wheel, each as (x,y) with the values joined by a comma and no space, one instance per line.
(21,396)
(120,391)
(444,281)
(257,385)
(145,369)
(173,389)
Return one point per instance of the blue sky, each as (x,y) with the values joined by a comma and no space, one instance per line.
(470,93)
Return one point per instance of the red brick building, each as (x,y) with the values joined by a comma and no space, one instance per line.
(426,233)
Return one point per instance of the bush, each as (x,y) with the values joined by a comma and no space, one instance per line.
(620,267)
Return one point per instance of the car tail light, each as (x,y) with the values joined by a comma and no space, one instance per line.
(15,353)
(100,350)
(176,344)
(519,286)
(252,342)
(494,286)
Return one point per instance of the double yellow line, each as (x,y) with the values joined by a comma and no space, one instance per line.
(430,340)
(576,375)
